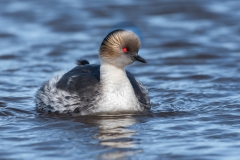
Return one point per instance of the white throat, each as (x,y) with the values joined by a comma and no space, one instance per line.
(117,92)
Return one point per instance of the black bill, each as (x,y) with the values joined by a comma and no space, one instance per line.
(138,58)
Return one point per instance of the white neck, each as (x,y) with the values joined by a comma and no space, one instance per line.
(117,92)
(110,74)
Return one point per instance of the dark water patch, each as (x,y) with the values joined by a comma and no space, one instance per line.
(178,44)
(65,48)
(73,44)
(226,79)
(224,136)
(207,56)
(187,8)
(43,46)
(166,78)
(18,110)
(6,113)
(8,57)
(66,24)
(171,113)
(56,52)
(184,127)
(2,104)
(9,111)
(184,60)
(22,16)
(12,70)
(15,99)
(7,35)
(200,77)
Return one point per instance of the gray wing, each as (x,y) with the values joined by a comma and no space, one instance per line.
(82,80)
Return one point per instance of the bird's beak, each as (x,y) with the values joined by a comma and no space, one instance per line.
(138,58)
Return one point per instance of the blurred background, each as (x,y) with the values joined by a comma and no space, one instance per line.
(193,73)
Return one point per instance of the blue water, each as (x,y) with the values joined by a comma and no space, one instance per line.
(193,73)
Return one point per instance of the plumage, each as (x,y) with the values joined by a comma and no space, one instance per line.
(98,89)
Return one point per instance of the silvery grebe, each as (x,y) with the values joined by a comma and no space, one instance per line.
(98,89)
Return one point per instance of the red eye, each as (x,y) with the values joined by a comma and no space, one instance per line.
(124,50)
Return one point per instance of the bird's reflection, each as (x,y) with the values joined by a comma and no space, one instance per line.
(114,132)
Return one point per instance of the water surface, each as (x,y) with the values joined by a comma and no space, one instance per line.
(193,73)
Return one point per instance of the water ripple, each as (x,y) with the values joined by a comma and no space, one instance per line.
(192,73)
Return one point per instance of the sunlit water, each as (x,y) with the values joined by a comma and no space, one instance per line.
(193,72)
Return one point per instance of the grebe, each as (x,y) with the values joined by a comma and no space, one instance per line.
(98,89)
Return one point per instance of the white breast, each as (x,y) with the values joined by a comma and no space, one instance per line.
(117,94)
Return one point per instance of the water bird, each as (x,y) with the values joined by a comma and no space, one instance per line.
(107,88)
